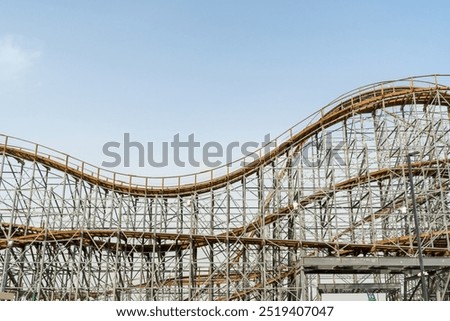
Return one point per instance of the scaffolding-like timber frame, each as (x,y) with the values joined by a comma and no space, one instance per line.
(328,209)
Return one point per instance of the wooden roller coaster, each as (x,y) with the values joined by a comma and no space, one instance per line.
(264,231)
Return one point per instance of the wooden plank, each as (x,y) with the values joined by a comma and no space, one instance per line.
(7,296)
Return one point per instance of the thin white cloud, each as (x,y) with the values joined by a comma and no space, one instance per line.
(15,57)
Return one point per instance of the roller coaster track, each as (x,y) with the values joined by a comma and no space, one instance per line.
(366,104)
(71,230)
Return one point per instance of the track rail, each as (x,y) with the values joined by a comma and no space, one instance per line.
(365,103)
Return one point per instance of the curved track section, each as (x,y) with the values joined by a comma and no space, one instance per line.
(329,205)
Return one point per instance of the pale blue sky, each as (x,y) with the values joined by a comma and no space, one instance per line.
(76,74)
